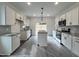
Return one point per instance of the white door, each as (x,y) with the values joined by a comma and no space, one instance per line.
(40,27)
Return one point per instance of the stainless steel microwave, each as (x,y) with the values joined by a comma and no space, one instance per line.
(62,23)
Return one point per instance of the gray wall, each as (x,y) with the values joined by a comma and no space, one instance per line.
(49,20)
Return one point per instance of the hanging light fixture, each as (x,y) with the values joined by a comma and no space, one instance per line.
(42,23)
(41,14)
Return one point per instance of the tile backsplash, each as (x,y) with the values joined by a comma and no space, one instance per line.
(74,29)
(5,29)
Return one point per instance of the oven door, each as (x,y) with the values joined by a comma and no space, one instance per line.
(58,36)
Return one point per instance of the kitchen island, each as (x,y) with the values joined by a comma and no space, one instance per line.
(42,38)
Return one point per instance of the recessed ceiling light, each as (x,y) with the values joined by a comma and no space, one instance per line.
(28,3)
(48,15)
(34,14)
(56,3)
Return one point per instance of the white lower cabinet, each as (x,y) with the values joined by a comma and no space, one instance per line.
(69,38)
(15,42)
(28,33)
(66,40)
(75,48)
(8,44)
(42,38)
(71,42)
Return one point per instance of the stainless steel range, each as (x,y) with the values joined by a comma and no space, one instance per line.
(58,36)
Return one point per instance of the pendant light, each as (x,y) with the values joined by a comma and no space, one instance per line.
(42,23)
(41,14)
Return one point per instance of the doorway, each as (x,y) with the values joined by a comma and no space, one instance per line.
(40,27)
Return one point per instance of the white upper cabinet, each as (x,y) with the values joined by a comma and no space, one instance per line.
(75,16)
(72,17)
(63,17)
(7,15)
(68,18)
(10,16)
(56,22)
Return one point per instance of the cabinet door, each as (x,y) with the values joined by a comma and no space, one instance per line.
(56,22)
(68,18)
(17,16)
(76,46)
(10,16)
(63,17)
(69,37)
(75,16)
(15,28)
(5,45)
(15,42)
(28,33)
(64,39)
(18,40)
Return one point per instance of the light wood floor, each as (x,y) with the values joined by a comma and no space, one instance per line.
(54,49)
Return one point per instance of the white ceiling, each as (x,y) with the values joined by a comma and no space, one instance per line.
(35,7)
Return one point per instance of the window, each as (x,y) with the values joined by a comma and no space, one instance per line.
(41,26)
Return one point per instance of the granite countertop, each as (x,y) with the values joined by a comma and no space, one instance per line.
(9,34)
(73,34)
